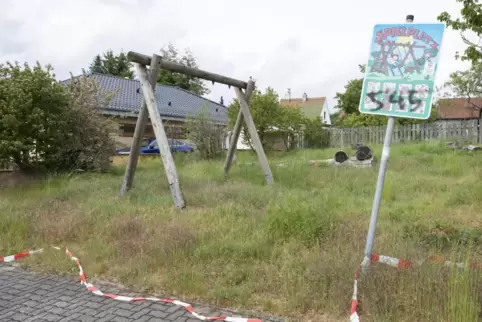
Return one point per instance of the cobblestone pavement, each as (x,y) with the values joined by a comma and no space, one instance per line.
(26,296)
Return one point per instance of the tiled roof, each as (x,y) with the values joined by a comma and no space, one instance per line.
(459,108)
(172,101)
(311,108)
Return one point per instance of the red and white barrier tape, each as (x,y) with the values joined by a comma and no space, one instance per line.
(96,291)
(398,263)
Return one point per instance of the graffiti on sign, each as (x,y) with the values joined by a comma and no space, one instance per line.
(401,69)
(409,102)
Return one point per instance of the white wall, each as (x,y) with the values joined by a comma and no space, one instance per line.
(325,111)
(239,145)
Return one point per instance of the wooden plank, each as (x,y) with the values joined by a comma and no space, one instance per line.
(455,130)
(263,160)
(161,137)
(142,119)
(233,142)
(194,72)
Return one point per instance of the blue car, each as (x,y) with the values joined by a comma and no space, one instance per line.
(152,148)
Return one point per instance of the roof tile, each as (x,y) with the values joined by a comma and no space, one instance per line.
(459,108)
(172,101)
(311,107)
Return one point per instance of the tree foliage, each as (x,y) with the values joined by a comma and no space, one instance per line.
(465,84)
(112,64)
(118,65)
(186,82)
(47,126)
(274,121)
(471,20)
(349,101)
(265,109)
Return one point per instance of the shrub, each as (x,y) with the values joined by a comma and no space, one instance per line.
(315,135)
(46,126)
(89,144)
(206,136)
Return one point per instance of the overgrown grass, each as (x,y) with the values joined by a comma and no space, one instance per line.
(289,249)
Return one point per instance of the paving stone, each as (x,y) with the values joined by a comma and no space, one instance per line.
(26,296)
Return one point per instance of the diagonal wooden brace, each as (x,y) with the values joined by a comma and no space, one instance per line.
(161,137)
(142,118)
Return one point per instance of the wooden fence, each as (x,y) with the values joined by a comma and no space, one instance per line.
(466,132)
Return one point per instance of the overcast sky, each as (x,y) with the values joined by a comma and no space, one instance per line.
(311,46)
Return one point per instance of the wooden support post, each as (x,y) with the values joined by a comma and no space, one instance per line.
(161,137)
(142,118)
(233,142)
(263,160)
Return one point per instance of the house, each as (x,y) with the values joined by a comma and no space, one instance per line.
(459,108)
(175,106)
(312,107)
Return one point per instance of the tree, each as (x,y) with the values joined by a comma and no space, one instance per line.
(272,120)
(33,109)
(186,82)
(266,111)
(47,126)
(471,21)
(97,66)
(467,84)
(349,101)
(112,64)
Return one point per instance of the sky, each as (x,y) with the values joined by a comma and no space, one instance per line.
(305,45)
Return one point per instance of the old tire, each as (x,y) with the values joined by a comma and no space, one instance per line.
(363,153)
(341,156)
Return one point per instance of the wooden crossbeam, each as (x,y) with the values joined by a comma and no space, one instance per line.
(194,72)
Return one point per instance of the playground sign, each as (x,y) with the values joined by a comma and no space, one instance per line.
(400,73)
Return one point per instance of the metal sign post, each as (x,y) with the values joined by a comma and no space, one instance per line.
(399,82)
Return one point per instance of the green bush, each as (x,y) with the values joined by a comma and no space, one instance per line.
(315,135)
(206,136)
(46,126)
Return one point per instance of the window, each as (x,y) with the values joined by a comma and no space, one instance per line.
(127,129)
